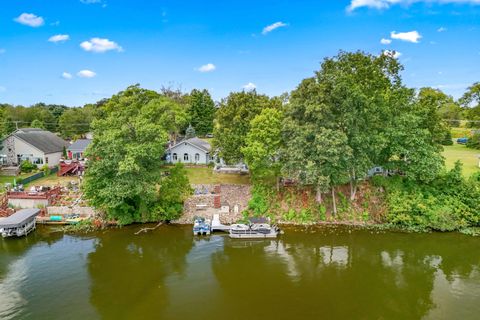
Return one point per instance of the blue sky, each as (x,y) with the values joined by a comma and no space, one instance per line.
(99,47)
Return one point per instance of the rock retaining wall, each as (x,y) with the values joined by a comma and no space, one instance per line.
(63,210)
(233,198)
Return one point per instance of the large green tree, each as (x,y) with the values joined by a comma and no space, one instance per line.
(129,141)
(360,97)
(471,102)
(434,106)
(201,111)
(263,144)
(74,122)
(232,122)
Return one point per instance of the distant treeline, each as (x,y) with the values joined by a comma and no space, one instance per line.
(74,122)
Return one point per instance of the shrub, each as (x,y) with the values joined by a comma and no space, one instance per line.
(474,141)
(259,204)
(449,203)
(447,139)
(45,169)
(27,167)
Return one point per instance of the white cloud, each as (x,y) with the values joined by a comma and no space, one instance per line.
(209,67)
(68,76)
(249,86)
(55,24)
(29,19)
(59,38)
(100,45)
(385,4)
(90,1)
(86,74)
(411,36)
(392,53)
(273,26)
(441,29)
(385,41)
(3,89)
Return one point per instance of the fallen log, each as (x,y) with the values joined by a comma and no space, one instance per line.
(148,229)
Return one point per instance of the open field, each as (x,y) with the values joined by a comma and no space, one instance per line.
(205,175)
(469,158)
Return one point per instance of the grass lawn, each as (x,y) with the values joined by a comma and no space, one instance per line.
(205,175)
(9,179)
(52,180)
(469,158)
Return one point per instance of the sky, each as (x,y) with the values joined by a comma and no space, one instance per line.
(79,51)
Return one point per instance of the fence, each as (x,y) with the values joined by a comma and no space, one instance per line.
(38,175)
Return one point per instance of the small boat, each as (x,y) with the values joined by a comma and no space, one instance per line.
(256,229)
(19,224)
(201,226)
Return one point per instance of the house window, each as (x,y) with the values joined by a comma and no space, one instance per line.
(46,159)
(37,160)
(197,157)
(185,157)
(174,157)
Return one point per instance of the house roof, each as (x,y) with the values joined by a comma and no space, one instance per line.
(43,140)
(19,218)
(79,145)
(196,142)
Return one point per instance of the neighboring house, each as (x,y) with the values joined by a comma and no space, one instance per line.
(35,145)
(77,149)
(192,150)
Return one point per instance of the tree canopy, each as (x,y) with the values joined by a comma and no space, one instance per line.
(125,155)
(232,122)
(201,111)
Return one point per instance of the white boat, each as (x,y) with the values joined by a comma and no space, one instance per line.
(201,226)
(260,230)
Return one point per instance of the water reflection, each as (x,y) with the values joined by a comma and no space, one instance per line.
(305,274)
(128,272)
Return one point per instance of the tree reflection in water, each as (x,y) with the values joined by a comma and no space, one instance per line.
(128,272)
(341,275)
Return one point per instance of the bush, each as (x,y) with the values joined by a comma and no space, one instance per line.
(449,203)
(447,139)
(27,167)
(45,169)
(474,141)
(259,204)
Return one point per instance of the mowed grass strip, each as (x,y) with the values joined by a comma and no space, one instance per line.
(469,158)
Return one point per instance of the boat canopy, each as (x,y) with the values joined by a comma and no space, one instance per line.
(258,220)
(19,218)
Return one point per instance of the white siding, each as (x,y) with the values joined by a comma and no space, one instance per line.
(53,158)
(185,148)
(25,149)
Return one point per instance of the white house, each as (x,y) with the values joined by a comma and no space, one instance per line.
(35,145)
(192,150)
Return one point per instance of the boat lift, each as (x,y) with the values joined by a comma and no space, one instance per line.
(19,224)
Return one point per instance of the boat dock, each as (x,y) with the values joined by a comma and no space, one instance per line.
(19,224)
(217,225)
(257,229)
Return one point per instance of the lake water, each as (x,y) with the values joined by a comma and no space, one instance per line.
(315,273)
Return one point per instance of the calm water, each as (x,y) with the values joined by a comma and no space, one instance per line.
(306,274)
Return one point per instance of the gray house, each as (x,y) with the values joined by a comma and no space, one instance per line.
(38,146)
(194,150)
(77,149)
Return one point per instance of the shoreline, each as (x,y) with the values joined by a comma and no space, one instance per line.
(91,227)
